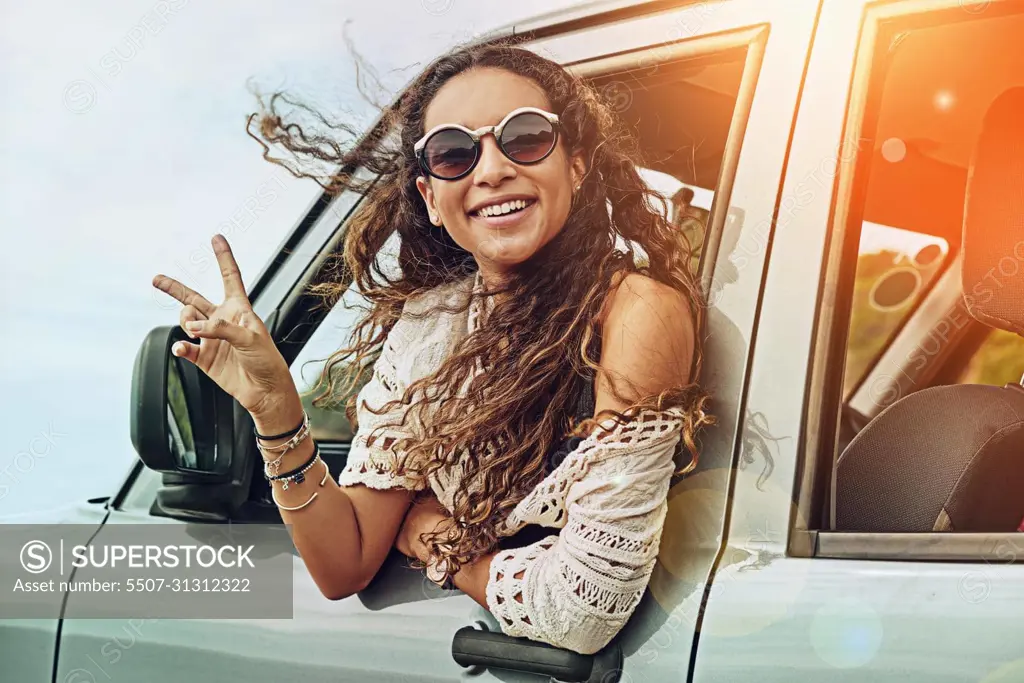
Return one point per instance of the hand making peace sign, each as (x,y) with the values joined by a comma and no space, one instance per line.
(235,349)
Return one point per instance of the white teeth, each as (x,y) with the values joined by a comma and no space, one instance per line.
(499,209)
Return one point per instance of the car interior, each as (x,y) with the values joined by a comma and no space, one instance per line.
(947,458)
(935,448)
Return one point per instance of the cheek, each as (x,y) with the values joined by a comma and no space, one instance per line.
(450,204)
(449,199)
(557,195)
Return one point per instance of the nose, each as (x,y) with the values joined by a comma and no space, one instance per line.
(494,167)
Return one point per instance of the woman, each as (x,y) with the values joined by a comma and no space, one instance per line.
(517,301)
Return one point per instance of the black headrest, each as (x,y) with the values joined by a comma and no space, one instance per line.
(993,262)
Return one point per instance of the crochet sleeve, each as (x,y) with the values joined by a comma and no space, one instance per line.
(372,459)
(577,589)
(422,337)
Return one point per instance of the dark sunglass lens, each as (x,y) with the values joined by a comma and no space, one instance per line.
(449,153)
(528,137)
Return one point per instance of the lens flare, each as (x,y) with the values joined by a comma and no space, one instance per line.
(944,100)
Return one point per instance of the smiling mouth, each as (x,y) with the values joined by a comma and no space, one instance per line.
(505,209)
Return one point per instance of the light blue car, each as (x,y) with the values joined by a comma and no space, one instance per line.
(850,520)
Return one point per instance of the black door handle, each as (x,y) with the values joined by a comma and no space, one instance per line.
(480,647)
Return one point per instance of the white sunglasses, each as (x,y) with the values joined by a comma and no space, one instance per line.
(526,135)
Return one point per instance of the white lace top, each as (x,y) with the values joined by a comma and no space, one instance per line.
(575,588)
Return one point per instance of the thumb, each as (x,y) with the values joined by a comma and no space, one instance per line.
(219,328)
(186,350)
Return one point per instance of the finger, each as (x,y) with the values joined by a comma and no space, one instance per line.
(188,314)
(229,272)
(186,350)
(218,328)
(185,295)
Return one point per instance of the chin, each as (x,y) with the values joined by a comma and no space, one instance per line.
(509,251)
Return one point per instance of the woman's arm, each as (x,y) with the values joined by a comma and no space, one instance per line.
(345,535)
(647,343)
(424,517)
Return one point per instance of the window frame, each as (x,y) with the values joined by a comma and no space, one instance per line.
(810,533)
(753,40)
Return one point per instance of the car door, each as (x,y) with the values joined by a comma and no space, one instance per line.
(28,647)
(711,89)
(895,95)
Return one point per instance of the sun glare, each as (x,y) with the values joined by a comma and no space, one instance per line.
(944,100)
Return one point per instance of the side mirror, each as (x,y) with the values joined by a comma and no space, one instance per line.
(174,418)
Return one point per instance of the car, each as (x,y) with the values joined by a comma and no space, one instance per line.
(826,151)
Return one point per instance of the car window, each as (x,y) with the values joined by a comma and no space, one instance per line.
(683,147)
(329,422)
(929,90)
(683,157)
(910,213)
(895,267)
(998,361)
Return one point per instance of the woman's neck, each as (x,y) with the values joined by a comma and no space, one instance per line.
(494,279)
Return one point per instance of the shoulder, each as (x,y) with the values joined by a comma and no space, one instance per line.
(637,299)
(648,334)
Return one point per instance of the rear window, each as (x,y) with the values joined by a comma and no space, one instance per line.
(895,267)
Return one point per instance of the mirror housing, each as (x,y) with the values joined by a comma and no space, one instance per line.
(178,416)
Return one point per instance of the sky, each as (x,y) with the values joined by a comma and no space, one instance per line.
(122,152)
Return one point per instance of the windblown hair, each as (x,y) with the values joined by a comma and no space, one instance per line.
(538,341)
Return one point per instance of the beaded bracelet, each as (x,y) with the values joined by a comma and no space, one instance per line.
(298,475)
(327,472)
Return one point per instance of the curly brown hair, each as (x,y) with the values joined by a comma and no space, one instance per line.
(507,420)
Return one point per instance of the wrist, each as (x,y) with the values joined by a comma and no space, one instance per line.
(277,413)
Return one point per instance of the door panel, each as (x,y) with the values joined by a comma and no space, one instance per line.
(849,621)
(28,647)
(378,635)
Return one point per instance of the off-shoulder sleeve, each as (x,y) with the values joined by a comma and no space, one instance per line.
(577,589)
(417,345)
(372,458)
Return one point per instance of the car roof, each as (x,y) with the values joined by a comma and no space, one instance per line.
(592,12)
